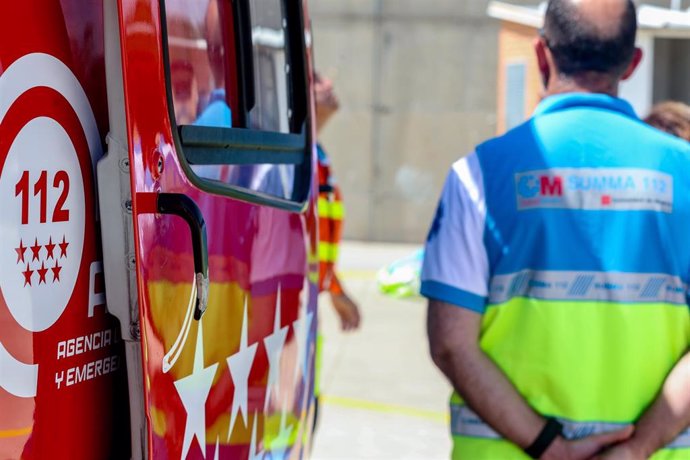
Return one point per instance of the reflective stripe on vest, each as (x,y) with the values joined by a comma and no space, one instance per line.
(328,252)
(465,422)
(582,285)
(330,209)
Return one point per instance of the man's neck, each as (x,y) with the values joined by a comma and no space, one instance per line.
(586,83)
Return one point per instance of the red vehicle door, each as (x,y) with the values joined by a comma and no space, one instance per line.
(209,162)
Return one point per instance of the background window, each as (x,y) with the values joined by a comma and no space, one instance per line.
(515,94)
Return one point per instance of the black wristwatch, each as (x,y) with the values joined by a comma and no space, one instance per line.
(552,429)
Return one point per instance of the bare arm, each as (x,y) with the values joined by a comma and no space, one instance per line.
(454,342)
(668,415)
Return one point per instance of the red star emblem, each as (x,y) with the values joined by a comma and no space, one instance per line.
(36,248)
(63,247)
(27,275)
(42,273)
(20,251)
(49,248)
(56,272)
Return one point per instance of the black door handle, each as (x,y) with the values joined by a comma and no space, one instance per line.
(181,205)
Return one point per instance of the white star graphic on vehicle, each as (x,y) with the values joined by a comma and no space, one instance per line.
(274,344)
(302,326)
(193,391)
(253,454)
(216,453)
(240,364)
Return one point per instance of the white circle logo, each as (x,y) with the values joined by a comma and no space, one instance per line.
(42,223)
(42,229)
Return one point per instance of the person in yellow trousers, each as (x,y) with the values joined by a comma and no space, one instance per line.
(331,214)
(558,263)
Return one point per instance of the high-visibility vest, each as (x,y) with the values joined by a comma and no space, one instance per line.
(571,235)
(331,213)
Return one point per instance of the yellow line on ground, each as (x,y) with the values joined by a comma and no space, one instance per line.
(15,433)
(357,274)
(352,403)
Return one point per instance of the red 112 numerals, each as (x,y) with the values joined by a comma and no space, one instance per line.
(60,181)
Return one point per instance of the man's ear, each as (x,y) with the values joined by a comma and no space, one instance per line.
(637,57)
(542,51)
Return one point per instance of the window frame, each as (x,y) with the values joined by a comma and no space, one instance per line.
(205,145)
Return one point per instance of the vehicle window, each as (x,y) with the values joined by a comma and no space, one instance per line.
(201,79)
(232,88)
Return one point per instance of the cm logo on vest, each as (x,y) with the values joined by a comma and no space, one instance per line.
(529,185)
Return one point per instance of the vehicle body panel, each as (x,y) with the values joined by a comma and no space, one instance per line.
(61,372)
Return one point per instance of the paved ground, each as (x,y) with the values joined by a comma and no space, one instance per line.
(382,396)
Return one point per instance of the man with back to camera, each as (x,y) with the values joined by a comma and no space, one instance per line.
(557,266)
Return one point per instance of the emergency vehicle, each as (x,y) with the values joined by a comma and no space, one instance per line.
(157,231)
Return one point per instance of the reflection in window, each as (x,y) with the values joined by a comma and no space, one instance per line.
(185,91)
(197,63)
(271,111)
(204,81)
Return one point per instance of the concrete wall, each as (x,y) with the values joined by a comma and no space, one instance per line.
(417,83)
